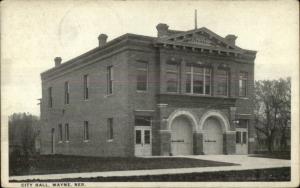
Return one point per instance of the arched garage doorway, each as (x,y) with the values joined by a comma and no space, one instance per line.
(181,136)
(212,136)
(214,124)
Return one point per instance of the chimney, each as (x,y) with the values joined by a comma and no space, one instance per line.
(57,61)
(231,39)
(102,39)
(162,29)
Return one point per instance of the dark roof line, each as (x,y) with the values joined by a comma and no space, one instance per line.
(94,50)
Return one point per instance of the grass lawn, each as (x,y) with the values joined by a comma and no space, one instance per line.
(274,155)
(57,164)
(274,174)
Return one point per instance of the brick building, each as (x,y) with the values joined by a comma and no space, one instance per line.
(180,93)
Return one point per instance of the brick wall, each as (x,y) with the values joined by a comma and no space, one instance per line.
(95,110)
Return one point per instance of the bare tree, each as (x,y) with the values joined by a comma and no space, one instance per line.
(272,109)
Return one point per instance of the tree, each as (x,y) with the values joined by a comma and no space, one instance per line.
(272,109)
(23,130)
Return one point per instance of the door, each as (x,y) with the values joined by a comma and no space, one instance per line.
(52,141)
(212,137)
(182,137)
(241,141)
(143,145)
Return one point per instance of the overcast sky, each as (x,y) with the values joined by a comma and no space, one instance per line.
(34,32)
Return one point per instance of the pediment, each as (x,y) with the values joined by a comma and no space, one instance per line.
(200,37)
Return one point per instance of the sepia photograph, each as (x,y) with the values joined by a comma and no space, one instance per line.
(149,93)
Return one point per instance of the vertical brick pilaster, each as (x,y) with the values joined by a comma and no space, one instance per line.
(229,143)
(198,143)
(165,142)
(182,77)
(214,80)
(232,115)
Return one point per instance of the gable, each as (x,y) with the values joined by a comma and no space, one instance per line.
(198,38)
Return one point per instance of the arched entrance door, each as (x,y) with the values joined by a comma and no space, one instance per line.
(212,136)
(181,136)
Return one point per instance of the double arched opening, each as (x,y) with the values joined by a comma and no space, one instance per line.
(186,131)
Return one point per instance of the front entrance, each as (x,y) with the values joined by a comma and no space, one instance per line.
(143,141)
(212,137)
(181,137)
(241,141)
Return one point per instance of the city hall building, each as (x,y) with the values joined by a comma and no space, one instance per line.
(180,93)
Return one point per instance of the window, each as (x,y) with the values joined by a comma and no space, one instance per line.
(110,131)
(222,82)
(244,137)
(172,76)
(50,97)
(110,79)
(66,92)
(147,136)
(198,80)
(60,132)
(86,86)
(142,121)
(138,136)
(238,137)
(243,79)
(86,130)
(67,137)
(142,76)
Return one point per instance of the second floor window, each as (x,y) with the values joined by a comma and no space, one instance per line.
(86,130)
(50,102)
(67,136)
(66,92)
(198,80)
(110,78)
(222,82)
(142,76)
(172,76)
(110,130)
(60,129)
(243,81)
(86,87)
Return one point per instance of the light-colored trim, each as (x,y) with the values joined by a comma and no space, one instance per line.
(161,105)
(110,140)
(144,110)
(108,95)
(165,131)
(185,113)
(244,114)
(218,114)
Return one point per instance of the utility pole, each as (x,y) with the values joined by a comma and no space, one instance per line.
(195,19)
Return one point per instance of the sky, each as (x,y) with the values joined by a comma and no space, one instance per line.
(34,32)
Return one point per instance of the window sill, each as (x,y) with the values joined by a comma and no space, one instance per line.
(108,95)
(197,94)
(141,91)
(67,141)
(243,98)
(60,142)
(173,92)
(110,140)
(86,141)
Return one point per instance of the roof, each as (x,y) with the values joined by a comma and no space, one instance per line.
(201,40)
